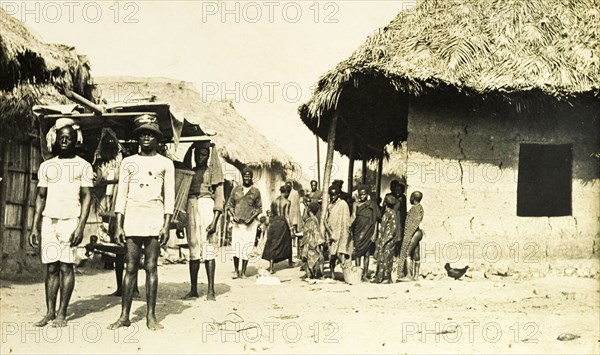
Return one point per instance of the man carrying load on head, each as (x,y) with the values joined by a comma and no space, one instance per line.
(62,206)
(204,208)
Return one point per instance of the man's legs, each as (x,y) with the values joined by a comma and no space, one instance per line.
(412,251)
(416,262)
(52,284)
(237,248)
(244,266)
(378,268)
(332,262)
(134,248)
(344,260)
(236,266)
(108,262)
(210,275)
(67,284)
(151,253)
(387,267)
(193,233)
(299,247)
(119,268)
(194,268)
(366,269)
(410,261)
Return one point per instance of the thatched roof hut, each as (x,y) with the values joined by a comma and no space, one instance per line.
(33,72)
(238,142)
(496,104)
(517,52)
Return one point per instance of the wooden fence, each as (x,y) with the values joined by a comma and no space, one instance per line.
(19,164)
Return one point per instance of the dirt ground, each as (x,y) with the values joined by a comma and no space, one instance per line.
(435,315)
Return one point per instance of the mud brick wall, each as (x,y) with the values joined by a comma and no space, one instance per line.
(466,164)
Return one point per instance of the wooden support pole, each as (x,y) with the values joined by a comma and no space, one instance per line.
(327,172)
(351,167)
(93,115)
(364,171)
(96,109)
(318,163)
(405,169)
(378,180)
(378,189)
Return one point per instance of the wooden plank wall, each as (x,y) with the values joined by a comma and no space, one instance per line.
(21,165)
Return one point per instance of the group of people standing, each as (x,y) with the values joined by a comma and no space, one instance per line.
(145,203)
(360,228)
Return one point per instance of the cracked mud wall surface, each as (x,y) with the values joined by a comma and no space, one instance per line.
(466,164)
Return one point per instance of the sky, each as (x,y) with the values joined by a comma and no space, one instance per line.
(264,56)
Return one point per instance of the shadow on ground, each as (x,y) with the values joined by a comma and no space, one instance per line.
(95,304)
(169,299)
(32,271)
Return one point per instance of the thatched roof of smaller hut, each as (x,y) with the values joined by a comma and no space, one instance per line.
(238,142)
(34,73)
(493,49)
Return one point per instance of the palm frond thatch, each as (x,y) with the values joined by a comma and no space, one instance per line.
(33,72)
(495,48)
(238,142)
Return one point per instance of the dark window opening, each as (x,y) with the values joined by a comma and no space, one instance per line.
(544,185)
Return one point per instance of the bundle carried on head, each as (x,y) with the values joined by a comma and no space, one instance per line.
(58,125)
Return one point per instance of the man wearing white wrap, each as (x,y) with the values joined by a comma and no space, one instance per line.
(243,207)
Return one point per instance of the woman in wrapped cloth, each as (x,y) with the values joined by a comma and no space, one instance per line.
(386,241)
(279,238)
(204,208)
(312,249)
(365,215)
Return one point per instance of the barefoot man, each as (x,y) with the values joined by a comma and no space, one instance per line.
(337,227)
(243,207)
(144,206)
(204,208)
(62,206)
(278,246)
(365,215)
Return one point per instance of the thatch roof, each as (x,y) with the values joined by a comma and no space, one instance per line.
(238,143)
(495,49)
(33,72)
